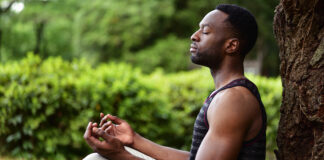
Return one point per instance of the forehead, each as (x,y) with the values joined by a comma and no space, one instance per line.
(214,18)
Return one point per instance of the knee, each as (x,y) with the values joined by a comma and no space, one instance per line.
(94,156)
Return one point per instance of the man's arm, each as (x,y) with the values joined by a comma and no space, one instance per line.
(230,116)
(157,151)
(124,132)
(110,147)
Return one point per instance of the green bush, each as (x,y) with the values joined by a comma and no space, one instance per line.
(45,104)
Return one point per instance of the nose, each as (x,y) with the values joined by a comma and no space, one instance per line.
(195,37)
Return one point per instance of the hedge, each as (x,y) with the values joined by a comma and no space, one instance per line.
(45,105)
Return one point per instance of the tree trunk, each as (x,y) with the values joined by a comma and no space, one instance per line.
(298,27)
(39,36)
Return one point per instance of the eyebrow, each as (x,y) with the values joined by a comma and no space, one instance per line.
(205,25)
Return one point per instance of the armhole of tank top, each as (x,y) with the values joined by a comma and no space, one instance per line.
(210,98)
(261,107)
(205,118)
(263,127)
(264,122)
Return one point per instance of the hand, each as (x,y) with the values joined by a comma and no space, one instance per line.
(111,147)
(122,130)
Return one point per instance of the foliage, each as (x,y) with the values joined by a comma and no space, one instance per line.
(110,30)
(45,104)
(170,54)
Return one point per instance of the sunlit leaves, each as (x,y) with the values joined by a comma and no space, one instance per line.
(45,104)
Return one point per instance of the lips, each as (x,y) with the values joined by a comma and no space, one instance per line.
(193,48)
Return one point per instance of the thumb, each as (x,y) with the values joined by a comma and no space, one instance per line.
(115,119)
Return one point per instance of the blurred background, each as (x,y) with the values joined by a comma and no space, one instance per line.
(62,62)
(144,33)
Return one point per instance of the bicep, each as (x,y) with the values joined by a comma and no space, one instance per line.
(228,124)
(217,147)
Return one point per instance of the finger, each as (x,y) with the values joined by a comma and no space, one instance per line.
(87,133)
(94,125)
(94,131)
(106,125)
(102,115)
(114,127)
(115,119)
(110,131)
(108,138)
(107,130)
(92,141)
(103,120)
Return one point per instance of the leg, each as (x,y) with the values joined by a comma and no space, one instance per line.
(96,156)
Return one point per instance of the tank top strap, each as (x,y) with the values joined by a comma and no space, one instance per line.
(229,85)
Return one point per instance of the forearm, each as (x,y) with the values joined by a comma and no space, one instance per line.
(157,151)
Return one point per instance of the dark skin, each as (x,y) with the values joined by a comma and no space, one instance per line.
(111,147)
(234,115)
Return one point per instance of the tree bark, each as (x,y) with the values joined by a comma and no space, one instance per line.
(298,27)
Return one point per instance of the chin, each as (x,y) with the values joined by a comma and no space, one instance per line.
(202,60)
(197,60)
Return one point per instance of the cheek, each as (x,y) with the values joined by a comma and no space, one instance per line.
(209,46)
(209,41)
(216,45)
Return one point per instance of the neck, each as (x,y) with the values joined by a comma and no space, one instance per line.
(227,72)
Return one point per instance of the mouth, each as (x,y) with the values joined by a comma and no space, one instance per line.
(193,48)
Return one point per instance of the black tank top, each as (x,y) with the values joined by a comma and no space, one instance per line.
(253,149)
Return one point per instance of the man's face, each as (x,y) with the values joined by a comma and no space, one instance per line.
(207,46)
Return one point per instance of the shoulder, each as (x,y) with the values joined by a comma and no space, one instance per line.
(230,116)
(236,106)
(236,96)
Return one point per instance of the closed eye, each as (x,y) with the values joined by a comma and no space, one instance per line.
(204,32)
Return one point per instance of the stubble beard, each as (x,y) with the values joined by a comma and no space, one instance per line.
(208,59)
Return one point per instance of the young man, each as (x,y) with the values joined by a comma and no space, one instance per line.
(232,122)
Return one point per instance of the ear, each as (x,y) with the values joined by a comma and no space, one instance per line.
(232,46)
